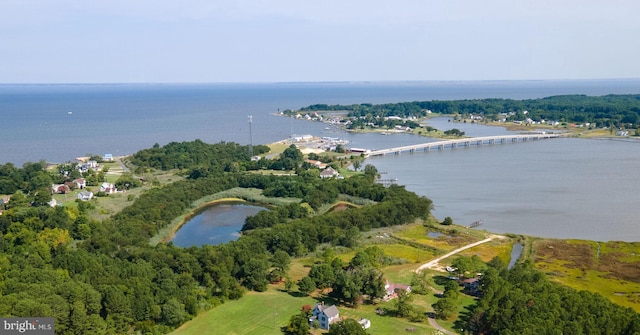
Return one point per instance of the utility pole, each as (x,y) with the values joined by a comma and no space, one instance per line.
(250,137)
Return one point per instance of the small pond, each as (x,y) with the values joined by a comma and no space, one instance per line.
(434,234)
(216,224)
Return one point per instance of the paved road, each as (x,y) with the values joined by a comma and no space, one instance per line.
(435,325)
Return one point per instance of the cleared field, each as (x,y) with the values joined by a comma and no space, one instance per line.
(264,313)
(255,313)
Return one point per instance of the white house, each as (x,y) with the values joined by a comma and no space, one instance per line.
(329,172)
(326,315)
(85,195)
(80,183)
(392,290)
(108,188)
(318,164)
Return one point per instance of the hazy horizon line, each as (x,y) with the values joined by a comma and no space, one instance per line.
(321,81)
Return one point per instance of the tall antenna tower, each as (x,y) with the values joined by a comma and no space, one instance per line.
(250,136)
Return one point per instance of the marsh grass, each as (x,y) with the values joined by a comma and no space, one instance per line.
(613,271)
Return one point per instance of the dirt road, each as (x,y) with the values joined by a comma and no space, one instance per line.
(434,264)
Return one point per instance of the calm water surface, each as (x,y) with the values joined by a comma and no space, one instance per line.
(215,225)
(564,188)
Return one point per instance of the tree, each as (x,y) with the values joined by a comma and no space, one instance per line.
(281,260)
(306,285)
(360,260)
(298,325)
(322,275)
(357,164)
(42,197)
(288,284)
(403,305)
(373,284)
(444,308)
(347,286)
(173,313)
(127,181)
(370,172)
(451,289)
(291,157)
(420,283)
(447,221)
(347,327)
(255,271)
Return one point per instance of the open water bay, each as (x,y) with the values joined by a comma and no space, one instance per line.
(562,188)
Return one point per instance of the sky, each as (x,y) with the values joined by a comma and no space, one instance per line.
(148,41)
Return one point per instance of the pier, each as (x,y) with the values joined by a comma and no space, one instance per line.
(464,142)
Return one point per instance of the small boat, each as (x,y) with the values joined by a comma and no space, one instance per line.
(69,113)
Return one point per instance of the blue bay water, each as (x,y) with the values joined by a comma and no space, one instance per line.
(121,119)
(555,188)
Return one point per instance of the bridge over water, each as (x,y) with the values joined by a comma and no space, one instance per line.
(464,142)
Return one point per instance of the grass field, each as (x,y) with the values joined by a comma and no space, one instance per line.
(255,313)
(264,313)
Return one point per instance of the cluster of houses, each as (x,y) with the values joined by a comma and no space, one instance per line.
(106,188)
(81,183)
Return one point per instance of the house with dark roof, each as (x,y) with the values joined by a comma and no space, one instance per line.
(325,314)
(60,189)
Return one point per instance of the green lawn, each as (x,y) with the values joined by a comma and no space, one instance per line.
(264,313)
(255,313)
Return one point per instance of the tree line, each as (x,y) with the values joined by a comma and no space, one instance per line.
(616,110)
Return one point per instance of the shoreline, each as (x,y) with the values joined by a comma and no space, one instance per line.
(166,234)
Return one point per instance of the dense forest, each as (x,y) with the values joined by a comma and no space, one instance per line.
(617,110)
(103,277)
(523,301)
